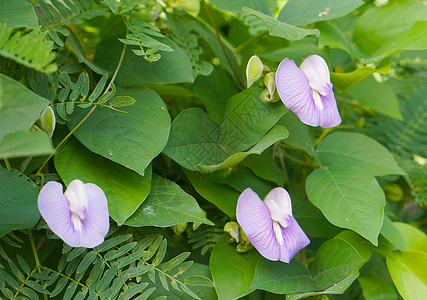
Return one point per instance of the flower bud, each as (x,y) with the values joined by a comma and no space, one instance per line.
(233,229)
(48,120)
(254,70)
(179,228)
(393,192)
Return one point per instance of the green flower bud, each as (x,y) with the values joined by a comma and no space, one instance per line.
(270,83)
(191,6)
(393,192)
(254,70)
(420,160)
(48,120)
(233,229)
(179,228)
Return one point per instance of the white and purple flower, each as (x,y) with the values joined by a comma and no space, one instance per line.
(79,216)
(307,91)
(270,225)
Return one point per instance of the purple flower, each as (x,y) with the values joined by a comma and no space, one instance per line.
(307,91)
(79,216)
(270,225)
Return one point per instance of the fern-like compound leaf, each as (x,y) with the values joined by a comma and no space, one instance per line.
(30,49)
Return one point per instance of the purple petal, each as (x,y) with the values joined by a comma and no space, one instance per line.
(329,115)
(55,210)
(316,71)
(294,240)
(295,92)
(254,217)
(96,223)
(279,204)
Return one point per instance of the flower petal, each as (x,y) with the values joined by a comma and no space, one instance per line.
(96,223)
(279,204)
(77,197)
(316,71)
(55,210)
(329,115)
(254,217)
(295,92)
(294,240)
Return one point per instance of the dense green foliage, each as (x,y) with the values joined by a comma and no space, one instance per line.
(147,99)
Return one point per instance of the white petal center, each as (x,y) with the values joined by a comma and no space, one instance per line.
(317,99)
(77,223)
(77,198)
(278,232)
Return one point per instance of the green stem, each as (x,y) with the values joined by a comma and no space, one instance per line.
(7,164)
(211,29)
(36,256)
(236,74)
(105,35)
(282,164)
(295,159)
(248,42)
(322,136)
(87,116)
(23,283)
(66,276)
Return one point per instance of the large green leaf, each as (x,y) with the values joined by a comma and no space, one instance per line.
(299,135)
(247,119)
(232,272)
(281,29)
(349,197)
(297,12)
(235,6)
(18,115)
(18,202)
(312,221)
(413,39)
(194,140)
(408,271)
(375,289)
(407,139)
(343,81)
(378,25)
(21,144)
(362,246)
(414,238)
(277,133)
(265,167)
(282,278)
(355,149)
(173,67)
(334,261)
(131,139)
(337,288)
(214,98)
(336,265)
(18,13)
(390,232)
(244,178)
(124,188)
(333,36)
(197,143)
(210,188)
(167,205)
(377,96)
